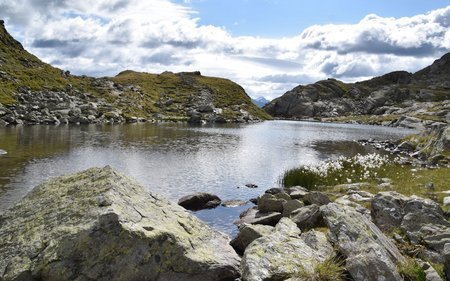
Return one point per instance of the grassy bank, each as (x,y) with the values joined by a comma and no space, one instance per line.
(372,169)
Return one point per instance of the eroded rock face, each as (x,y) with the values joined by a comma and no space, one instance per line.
(283,253)
(101,225)
(370,254)
(421,219)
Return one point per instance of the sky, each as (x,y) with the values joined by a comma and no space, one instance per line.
(267,46)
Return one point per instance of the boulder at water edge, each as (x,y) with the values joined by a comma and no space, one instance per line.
(101,225)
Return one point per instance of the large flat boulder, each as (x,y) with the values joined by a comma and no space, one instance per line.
(101,225)
(371,256)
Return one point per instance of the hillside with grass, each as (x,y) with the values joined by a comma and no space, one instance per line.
(34,92)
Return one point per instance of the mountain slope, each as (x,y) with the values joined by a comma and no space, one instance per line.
(33,92)
(385,99)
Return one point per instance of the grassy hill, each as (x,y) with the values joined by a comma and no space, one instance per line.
(168,96)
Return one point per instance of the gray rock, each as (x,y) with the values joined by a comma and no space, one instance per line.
(316,197)
(290,206)
(387,209)
(344,200)
(279,255)
(3,152)
(247,234)
(370,254)
(296,192)
(199,201)
(271,203)
(307,217)
(430,273)
(101,225)
(253,216)
(319,242)
(446,255)
(233,203)
(446,201)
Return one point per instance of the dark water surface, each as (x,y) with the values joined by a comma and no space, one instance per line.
(177,159)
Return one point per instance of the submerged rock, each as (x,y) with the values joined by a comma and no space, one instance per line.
(199,201)
(101,225)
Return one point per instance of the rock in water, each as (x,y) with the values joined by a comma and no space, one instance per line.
(371,256)
(199,201)
(3,152)
(101,225)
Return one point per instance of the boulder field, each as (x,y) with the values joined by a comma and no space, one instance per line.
(101,225)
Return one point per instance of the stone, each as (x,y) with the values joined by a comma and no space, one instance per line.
(317,198)
(271,203)
(290,206)
(247,234)
(446,201)
(430,273)
(199,201)
(446,254)
(3,152)
(387,209)
(279,255)
(307,217)
(101,225)
(370,254)
(233,203)
(344,200)
(318,241)
(296,192)
(254,216)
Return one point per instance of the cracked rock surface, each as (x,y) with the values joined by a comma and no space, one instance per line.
(101,225)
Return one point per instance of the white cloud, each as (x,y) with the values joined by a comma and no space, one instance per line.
(107,36)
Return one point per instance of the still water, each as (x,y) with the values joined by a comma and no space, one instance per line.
(178,159)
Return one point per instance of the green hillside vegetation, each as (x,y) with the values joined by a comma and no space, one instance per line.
(167,95)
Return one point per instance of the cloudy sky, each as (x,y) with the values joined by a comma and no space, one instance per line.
(267,46)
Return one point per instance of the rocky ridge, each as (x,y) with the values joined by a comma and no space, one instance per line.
(33,92)
(412,100)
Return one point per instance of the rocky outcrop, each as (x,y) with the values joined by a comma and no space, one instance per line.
(33,92)
(422,220)
(370,255)
(283,253)
(396,99)
(199,201)
(101,225)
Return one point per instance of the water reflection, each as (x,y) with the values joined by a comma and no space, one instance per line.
(176,159)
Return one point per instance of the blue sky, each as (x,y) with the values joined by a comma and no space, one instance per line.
(279,18)
(267,46)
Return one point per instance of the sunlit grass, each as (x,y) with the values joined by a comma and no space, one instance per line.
(406,179)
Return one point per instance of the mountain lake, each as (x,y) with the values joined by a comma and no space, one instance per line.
(178,159)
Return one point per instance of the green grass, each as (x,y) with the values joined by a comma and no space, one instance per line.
(330,270)
(410,270)
(406,179)
(22,69)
